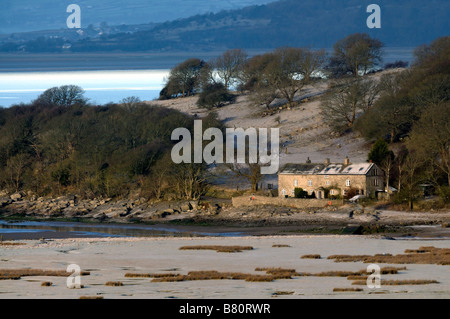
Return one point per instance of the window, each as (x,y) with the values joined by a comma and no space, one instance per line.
(327,183)
(310,183)
(296,183)
(293,192)
(283,192)
(332,192)
(326,176)
(347,183)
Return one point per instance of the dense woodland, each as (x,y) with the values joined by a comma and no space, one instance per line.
(61,144)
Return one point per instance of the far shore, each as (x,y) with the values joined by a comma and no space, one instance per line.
(227,222)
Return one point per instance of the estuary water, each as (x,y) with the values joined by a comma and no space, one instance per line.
(106,78)
(100,87)
(59,229)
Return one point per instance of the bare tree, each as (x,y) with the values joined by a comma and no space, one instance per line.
(251,172)
(257,77)
(16,166)
(430,137)
(411,178)
(229,65)
(357,52)
(292,69)
(341,103)
(65,95)
(184,78)
(387,166)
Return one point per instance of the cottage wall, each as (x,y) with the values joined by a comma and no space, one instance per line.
(312,183)
(365,185)
(245,201)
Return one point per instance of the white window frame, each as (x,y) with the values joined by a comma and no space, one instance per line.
(348,183)
(295,183)
(310,183)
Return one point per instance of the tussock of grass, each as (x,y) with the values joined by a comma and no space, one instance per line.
(91,297)
(46,284)
(114,284)
(282,293)
(170,279)
(279,273)
(358,277)
(137,275)
(134,275)
(219,249)
(397,282)
(423,255)
(9,277)
(260,278)
(339,273)
(37,272)
(391,270)
(273,274)
(311,256)
(280,246)
(273,270)
(10,243)
(348,258)
(347,289)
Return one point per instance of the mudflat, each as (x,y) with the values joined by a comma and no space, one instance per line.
(134,265)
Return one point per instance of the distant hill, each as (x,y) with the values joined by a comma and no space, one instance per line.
(36,15)
(313,23)
(316,23)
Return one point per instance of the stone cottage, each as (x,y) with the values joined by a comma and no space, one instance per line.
(331,180)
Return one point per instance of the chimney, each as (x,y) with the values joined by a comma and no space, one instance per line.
(308,161)
(327,161)
(347,161)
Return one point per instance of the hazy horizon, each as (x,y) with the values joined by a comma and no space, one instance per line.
(29,15)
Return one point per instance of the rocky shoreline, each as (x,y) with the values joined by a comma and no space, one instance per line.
(212,212)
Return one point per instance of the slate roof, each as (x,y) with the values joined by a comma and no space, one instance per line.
(322,169)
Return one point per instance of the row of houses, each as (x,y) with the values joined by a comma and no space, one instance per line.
(328,180)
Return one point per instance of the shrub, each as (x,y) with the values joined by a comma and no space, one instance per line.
(214,95)
(300,193)
(396,64)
